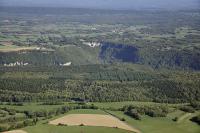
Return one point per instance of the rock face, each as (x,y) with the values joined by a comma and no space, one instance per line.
(92,44)
(118,52)
(105,52)
(66,64)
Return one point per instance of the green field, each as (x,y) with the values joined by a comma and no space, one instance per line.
(146,125)
(72,129)
(160,125)
(87,111)
(37,106)
(46,128)
(33,107)
(118,105)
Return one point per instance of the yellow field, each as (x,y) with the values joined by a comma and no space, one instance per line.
(92,120)
(8,47)
(15,131)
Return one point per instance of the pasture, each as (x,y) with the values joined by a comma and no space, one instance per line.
(160,124)
(91,122)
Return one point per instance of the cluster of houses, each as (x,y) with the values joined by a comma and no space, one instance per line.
(25,64)
(16,64)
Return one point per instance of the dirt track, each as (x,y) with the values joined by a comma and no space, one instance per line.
(92,120)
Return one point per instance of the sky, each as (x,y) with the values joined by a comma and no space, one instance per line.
(106,4)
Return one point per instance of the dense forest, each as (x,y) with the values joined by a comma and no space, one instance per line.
(97,83)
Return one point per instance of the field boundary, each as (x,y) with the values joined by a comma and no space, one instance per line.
(138,131)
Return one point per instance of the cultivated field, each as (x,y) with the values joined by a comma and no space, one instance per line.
(92,120)
(15,48)
(15,131)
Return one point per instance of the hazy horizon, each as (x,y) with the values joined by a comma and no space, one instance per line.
(106,4)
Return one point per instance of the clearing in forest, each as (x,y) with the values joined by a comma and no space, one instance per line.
(92,120)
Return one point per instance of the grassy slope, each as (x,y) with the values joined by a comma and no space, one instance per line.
(160,125)
(155,125)
(86,111)
(34,107)
(72,129)
(117,105)
(146,125)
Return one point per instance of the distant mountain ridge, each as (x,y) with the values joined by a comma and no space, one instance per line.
(107,4)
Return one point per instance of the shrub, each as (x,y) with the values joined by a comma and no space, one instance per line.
(187,109)
(81,124)
(3,128)
(175,119)
(153,111)
(156,113)
(134,114)
(28,123)
(29,114)
(61,124)
(20,125)
(196,119)
(195,105)
(123,119)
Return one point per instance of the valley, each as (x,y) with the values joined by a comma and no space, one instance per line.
(112,70)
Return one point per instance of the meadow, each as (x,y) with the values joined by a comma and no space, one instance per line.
(147,124)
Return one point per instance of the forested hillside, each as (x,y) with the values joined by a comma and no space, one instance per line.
(98,83)
(99,55)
